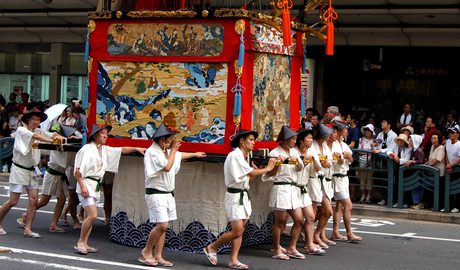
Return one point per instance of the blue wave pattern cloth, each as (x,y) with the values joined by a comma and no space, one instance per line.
(192,239)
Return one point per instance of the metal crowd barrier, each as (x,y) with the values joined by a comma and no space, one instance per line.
(419,175)
(452,187)
(6,152)
(383,171)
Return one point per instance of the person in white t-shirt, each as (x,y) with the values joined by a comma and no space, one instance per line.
(161,162)
(24,171)
(453,157)
(237,172)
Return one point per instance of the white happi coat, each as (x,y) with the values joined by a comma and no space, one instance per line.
(155,177)
(236,170)
(284,196)
(317,187)
(25,155)
(341,184)
(90,164)
(304,176)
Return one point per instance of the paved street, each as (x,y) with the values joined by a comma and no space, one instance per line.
(388,244)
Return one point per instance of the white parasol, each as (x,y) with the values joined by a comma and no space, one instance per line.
(52,112)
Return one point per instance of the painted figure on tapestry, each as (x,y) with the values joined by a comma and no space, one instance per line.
(158,39)
(266,38)
(135,97)
(272,84)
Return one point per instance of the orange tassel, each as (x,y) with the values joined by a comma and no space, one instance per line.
(330,38)
(286,5)
(329,17)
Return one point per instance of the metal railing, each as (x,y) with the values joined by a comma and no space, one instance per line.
(418,175)
(6,151)
(382,168)
(452,186)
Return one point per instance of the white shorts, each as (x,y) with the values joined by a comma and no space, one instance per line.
(85,202)
(341,195)
(234,210)
(16,188)
(306,200)
(52,184)
(162,207)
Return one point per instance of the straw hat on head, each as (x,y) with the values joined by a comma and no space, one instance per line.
(241,133)
(67,131)
(324,131)
(402,137)
(26,117)
(163,131)
(408,128)
(285,134)
(96,128)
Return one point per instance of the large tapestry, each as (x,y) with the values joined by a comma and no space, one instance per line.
(161,39)
(268,39)
(271,94)
(135,97)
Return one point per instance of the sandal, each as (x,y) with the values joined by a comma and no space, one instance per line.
(355,239)
(284,250)
(76,226)
(2,231)
(238,265)
(212,256)
(57,230)
(296,255)
(330,243)
(32,235)
(316,251)
(339,238)
(63,222)
(281,256)
(148,262)
(82,251)
(21,222)
(165,264)
(91,249)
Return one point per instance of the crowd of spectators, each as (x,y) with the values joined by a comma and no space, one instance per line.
(406,139)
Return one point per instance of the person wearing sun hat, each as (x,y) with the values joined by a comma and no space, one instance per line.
(284,197)
(161,164)
(237,173)
(91,162)
(400,153)
(24,171)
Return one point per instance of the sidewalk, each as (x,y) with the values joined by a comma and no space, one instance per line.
(374,211)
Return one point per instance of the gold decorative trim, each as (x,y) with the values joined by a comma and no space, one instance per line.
(100,15)
(162,14)
(90,64)
(240,26)
(205,13)
(91,26)
(119,14)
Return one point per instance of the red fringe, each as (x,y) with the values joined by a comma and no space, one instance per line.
(330,38)
(286,27)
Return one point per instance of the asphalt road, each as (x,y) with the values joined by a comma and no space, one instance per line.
(388,244)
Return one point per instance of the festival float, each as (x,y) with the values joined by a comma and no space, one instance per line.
(205,72)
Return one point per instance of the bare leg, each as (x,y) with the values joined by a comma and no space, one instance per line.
(12,201)
(278,227)
(154,236)
(297,217)
(309,216)
(31,209)
(235,235)
(57,209)
(338,213)
(347,207)
(87,225)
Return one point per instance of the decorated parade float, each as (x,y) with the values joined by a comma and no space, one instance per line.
(204,72)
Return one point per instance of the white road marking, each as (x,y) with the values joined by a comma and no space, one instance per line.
(81,259)
(44,264)
(409,236)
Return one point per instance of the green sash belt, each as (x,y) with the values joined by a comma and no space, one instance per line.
(24,167)
(62,174)
(98,180)
(240,191)
(150,191)
(328,179)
